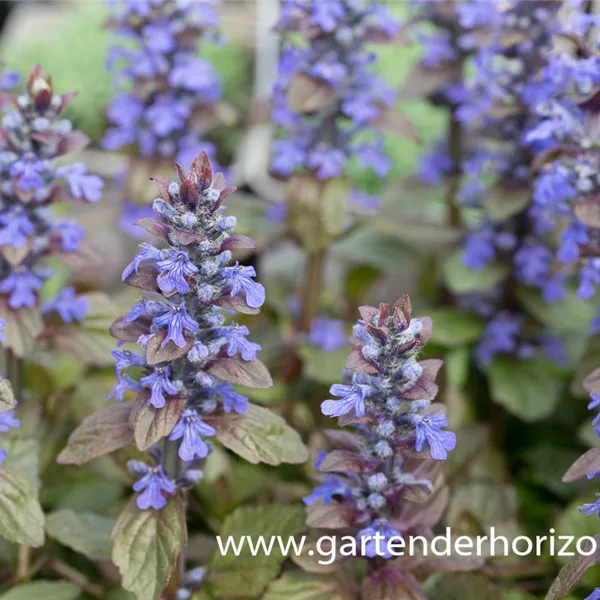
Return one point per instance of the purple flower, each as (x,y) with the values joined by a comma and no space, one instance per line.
(190,427)
(159,37)
(153,487)
(360,108)
(124,384)
(28,171)
(327,162)
(21,285)
(82,184)
(9,80)
(381,533)
(230,398)
(145,252)
(160,385)
(326,15)
(125,359)
(240,278)
(68,305)
(287,156)
(16,227)
(373,157)
(2,326)
(589,278)
(574,236)
(125,109)
(70,234)
(196,75)
(332,486)
(554,186)
(592,508)
(595,595)
(434,166)
(173,271)
(352,399)
(176,319)
(8,421)
(137,311)
(167,115)
(500,336)
(429,429)
(237,342)
(330,70)
(327,334)
(479,248)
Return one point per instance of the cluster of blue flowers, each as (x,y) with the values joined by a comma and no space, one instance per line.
(183,334)
(169,95)
(497,110)
(399,431)
(566,187)
(327,96)
(33,138)
(170,89)
(447,41)
(501,108)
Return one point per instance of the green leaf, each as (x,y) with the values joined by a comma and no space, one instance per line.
(85,533)
(452,327)
(323,366)
(569,315)
(418,234)
(253,373)
(365,246)
(43,590)
(89,342)
(21,516)
(247,575)
(23,456)
(7,398)
(92,494)
(462,280)
(100,433)
(306,586)
(501,204)
(259,435)
(22,328)
(528,389)
(334,202)
(146,544)
(90,346)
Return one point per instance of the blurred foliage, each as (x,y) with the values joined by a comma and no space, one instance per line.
(509,475)
(73,50)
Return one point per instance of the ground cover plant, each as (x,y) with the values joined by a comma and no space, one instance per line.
(358,312)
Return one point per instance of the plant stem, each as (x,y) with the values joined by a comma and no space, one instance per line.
(455,143)
(312,290)
(23,559)
(14,368)
(172,465)
(77,577)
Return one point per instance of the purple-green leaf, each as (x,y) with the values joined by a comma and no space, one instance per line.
(259,435)
(253,374)
(146,544)
(151,424)
(101,433)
